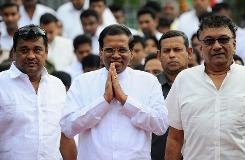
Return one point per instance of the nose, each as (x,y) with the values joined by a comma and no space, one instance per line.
(172,53)
(30,55)
(216,45)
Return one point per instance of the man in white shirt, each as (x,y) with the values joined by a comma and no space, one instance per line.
(90,22)
(188,22)
(30,12)
(206,103)
(31,102)
(105,15)
(11,16)
(111,111)
(60,49)
(82,45)
(69,14)
(148,22)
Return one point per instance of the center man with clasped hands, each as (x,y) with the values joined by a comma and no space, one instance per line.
(115,109)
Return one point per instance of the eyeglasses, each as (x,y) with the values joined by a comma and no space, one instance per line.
(30,30)
(221,40)
(111,51)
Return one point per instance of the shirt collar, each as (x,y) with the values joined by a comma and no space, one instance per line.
(232,66)
(15,72)
(163,79)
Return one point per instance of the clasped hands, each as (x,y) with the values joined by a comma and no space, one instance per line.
(113,88)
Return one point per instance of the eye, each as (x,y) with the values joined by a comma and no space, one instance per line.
(108,50)
(223,40)
(178,49)
(123,50)
(209,41)
(37,50)
(24,50)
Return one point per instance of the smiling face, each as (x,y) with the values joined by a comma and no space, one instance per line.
(217,56)
(119,44)
(30,56)
(174,55)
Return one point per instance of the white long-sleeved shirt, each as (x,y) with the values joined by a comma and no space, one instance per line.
(213,120)
(29,122)
(112,131)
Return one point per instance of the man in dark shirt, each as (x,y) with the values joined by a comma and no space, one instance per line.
(174,53)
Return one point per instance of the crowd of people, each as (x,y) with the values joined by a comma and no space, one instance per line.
(78,83)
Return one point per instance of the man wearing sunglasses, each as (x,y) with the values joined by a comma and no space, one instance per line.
(31,102)
(206,103)
(115,109)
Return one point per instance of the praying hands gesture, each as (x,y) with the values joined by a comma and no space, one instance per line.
(113,88)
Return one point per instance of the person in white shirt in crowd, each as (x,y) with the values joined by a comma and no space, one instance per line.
(31,102)
(119,14)
(60,49)
(31,11)
(170,10)
(69,14)
(11,16)
(82,45)
(188,22)
(91,63)
(105,15)
(91,27)
(206,103)
(111,111)
(148,22)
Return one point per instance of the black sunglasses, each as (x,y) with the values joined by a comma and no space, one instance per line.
(30,30)
(221,40)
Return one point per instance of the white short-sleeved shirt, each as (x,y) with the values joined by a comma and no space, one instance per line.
(112,131)
(29,122)
(213,120)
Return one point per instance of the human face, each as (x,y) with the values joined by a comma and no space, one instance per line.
(217,56)
(99,7)
(174,55)
(116,42)
(119,15)
(169,11)
(150,46)
(90,25)
(82,51)
(138,53)
(11,17)
(51,29)
(30,56)
(153,66)
(147,24)
(77,4)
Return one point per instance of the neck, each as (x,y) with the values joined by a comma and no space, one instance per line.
(171,77)
(30,9)
(11,31)
(217,71)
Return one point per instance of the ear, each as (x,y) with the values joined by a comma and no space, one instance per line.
(190,52)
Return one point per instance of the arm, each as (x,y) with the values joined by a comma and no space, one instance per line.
(174,144)
(151,116)
(68,148)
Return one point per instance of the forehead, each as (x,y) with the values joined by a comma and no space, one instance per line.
(116,40)
(30,43)
(215,32)
(172,42)
(10,9)
(89,18)
(146,16)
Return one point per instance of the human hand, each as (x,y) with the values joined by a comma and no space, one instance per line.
(118,92)
(109,95)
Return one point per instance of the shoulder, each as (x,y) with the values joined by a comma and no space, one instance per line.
(89,76)
(142,76)
(54,81)
(4,77)
(64,7)
(44,8)
(63,40)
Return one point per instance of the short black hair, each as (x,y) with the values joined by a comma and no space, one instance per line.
(30,32)
(164,22)
(48,18)
(94,1)
(174,33)
(64,77)
(116,8)
(81,39)
(150,56)
(9,4)
(151,38)
(213,21)
(138,39)
(115,29)
(146,10)
(88,13)
(238,58)
(154,5)
(219,6)
(91,60)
